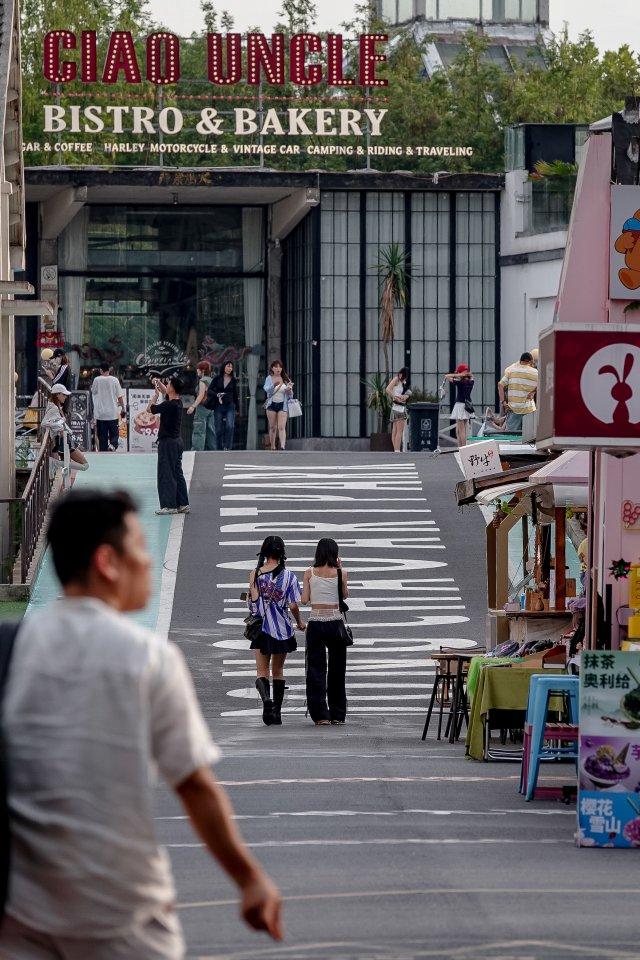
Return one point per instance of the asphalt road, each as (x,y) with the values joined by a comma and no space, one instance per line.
(384,846)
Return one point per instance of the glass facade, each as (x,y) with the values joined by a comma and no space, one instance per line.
(331,295)
(399,11)
(153,288)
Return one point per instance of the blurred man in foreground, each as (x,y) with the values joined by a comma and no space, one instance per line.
(94,703)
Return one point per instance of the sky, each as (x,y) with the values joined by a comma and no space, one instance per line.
(612,26)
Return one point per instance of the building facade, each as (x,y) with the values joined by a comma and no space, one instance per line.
(158,267)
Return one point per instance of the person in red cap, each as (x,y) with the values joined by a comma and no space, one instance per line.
(463,410)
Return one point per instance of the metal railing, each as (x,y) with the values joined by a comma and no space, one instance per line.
(22,518)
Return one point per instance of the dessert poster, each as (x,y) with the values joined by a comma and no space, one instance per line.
(143,426)
(609,760)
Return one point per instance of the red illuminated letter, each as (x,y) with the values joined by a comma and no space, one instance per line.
(121,55)
(369,58)
(89,60)
(261,56)
(298,71)
(234,58)
(163,58)
(54,70)
(335,75)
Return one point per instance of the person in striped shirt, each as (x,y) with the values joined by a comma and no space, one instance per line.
(520,381)
(273,592)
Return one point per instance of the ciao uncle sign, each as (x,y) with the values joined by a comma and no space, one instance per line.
(215,94)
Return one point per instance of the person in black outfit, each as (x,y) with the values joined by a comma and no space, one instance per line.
(225,386)
(172,487)
(325,588)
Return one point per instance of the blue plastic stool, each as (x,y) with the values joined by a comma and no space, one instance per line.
(541,689)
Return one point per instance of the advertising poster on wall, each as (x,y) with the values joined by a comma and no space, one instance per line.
(143,426)
(624,282)
(609,759)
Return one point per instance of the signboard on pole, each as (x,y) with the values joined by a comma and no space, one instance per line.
(480,459)
(609,758)
(624,281)
(589,387)
(143,426)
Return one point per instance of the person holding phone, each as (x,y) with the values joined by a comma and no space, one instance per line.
(398,392)
(279,390)
(172,487)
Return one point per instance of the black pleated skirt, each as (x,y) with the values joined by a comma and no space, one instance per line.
(267,644)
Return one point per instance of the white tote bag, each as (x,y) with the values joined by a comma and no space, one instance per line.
(293,408)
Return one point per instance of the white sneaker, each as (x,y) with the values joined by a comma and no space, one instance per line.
(186,509)
(165,510)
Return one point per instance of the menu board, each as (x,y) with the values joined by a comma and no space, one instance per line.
(609,760)
(143,426)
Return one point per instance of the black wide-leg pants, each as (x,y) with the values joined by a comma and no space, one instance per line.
(172,487)
(326,668)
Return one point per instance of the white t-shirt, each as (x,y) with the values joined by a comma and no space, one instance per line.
(105,392)
(94,706)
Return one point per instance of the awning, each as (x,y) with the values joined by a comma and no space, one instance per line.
(486,497)
(571,467)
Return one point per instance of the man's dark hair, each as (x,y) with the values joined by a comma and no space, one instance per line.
(82,521)
(177,383)
(526,358)
(104,366)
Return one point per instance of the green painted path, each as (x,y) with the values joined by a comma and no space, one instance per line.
(135,473)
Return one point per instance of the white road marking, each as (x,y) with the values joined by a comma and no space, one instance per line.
(171,558)
(353,564)
(255,511)
(439,621)
(395,842)
(426,812)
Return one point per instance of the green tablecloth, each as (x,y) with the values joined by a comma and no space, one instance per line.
(499,688)
(476,665)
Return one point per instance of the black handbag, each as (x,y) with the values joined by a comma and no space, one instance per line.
(469,407)
(8,632)
(253,623)
(346,629)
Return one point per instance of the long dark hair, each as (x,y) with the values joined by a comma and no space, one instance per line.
(278,363)
(226,364)
(403,375)
(326,553)
(274,548)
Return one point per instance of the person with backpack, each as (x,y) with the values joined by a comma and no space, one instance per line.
(94,709)
(325,588)
(273,592)
(204,434)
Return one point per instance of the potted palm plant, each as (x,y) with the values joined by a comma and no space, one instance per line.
(378,401)
(393,272)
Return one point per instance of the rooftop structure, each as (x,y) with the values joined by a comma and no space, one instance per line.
(515,28)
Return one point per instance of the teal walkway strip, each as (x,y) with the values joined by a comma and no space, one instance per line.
(136,473)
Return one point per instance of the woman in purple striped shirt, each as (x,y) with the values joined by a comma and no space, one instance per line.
(273,591)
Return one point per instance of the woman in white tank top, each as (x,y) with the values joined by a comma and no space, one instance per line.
(326,638)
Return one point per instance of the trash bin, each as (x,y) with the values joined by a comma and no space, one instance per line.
(423,425)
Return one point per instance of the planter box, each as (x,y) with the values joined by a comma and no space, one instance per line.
(381,442)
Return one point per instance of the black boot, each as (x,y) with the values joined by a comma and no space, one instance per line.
(278,697)
(262,686)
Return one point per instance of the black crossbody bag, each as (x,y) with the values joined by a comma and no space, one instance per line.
(343,607)
(8,633)
(253,623)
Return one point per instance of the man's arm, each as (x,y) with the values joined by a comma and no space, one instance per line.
(211,814)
